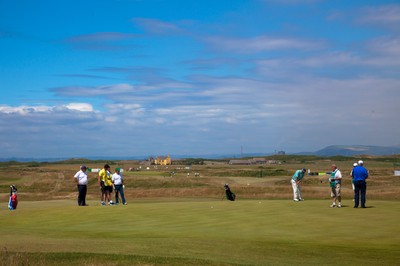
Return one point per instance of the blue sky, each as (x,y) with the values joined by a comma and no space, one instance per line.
(156,77)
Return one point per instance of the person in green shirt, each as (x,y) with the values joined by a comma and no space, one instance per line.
(335,182)
(296,180)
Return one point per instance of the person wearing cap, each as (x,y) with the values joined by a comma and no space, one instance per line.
(335,183)
(81,179)
(351,174)
(296,179)
(118,182)
(360,174)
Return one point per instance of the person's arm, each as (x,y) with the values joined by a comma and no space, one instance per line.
(298,178)
(99,179)
(338,175)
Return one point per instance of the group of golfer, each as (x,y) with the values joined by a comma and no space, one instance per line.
(107,182)
(359,175)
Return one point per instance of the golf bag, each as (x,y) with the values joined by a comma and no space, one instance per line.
(229,194)
(13,202)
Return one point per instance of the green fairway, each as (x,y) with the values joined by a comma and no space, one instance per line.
(207,232)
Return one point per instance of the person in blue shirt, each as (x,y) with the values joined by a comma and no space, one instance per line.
(359,174)
(296,179)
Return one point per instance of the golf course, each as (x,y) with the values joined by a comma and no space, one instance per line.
(176,218)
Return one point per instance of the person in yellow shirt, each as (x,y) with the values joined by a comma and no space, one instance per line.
(106,185)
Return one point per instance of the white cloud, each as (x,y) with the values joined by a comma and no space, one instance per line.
(266,90)
(82,107)
(23,110)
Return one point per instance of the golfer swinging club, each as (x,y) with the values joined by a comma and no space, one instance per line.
(296,179)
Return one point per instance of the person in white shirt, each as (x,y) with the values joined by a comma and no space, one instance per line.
(81,179)
(118,183)
(351,174)
(335,183)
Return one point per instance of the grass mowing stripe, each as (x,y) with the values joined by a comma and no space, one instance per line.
(60,259)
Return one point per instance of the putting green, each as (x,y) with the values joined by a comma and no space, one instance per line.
(210,232)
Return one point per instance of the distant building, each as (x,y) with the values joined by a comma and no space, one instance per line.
(163,160)
(253,161)
(259,160)
(240,162)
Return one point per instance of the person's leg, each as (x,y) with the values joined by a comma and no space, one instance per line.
(333,195)
(294,186)
(338,195)
(299,192)
(103,193)
(84,195)
(122,195)
(108,196)
(79,195)
(117,189)
(363,189)
(356,195)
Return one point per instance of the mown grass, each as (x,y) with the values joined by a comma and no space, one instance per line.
(201,232)
(182,220)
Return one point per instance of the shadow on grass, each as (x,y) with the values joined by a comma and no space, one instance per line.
(351,206)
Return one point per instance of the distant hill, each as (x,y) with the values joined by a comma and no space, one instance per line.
(353,150)
(334,150)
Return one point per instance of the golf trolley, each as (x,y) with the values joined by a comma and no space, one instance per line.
(229,194)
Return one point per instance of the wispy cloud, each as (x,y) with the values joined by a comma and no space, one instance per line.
(388,14)
(291,2)
(100,37)
(156,26)
(100,41)
(84,76)
(104,90)
(266,74)
(261,43)
(386,45)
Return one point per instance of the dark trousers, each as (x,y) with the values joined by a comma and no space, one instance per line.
(360,187)
(82,189)
(119,189)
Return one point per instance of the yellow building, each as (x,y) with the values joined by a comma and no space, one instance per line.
(163,160)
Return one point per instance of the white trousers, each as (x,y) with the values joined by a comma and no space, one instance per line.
(296,190)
